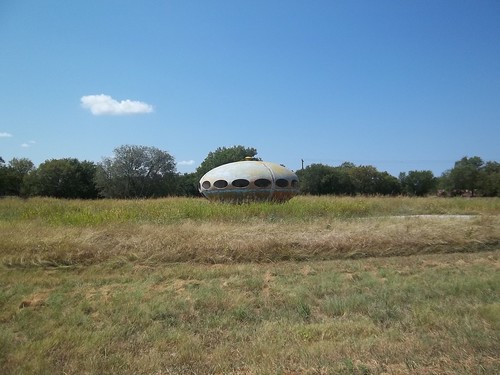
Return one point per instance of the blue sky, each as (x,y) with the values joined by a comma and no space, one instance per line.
(400,85)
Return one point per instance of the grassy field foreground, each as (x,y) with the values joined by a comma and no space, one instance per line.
(314,286)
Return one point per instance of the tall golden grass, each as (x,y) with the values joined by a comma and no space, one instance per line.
(57,232)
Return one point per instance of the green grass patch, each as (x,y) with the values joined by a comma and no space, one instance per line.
(174,210)
(427,313)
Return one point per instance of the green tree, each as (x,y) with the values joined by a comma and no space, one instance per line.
(187,185)
(419,183)
(63,178)
(12,176)
(4,178)
(444,182)
(346,179)
(22,166)
(224,155)
(466,173)
(388,184)
(489,180)
(367,180)
(316,179)
(137,172)
(346,185)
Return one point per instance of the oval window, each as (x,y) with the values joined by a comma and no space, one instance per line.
(281,182)
(241,182)
(206,185)
(220,184)
(295,183)
(262,182)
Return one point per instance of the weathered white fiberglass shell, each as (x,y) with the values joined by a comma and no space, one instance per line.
(249,180)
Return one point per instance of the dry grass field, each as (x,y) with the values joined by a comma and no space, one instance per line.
(314,286)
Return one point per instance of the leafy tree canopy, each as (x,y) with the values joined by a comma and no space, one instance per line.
(137,171)
(419,183)
(465,174)
(317,179)
(22,166)
(489,180)
(224,155)
(13,174)
(63,178)
(346,179)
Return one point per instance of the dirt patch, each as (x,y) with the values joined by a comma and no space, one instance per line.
(268,278)
(438,217)
(35,301)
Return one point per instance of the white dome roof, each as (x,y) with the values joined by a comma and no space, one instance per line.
(249,180)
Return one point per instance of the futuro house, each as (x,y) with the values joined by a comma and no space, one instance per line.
(248,181)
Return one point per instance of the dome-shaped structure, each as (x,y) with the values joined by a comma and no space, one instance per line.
(249,180)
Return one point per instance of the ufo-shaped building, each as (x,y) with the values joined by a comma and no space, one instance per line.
(248,181)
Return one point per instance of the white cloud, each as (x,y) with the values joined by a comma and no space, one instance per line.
(106,105)
(5,135)
(28,144)
(186,162)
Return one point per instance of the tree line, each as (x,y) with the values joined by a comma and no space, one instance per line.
(148,172)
